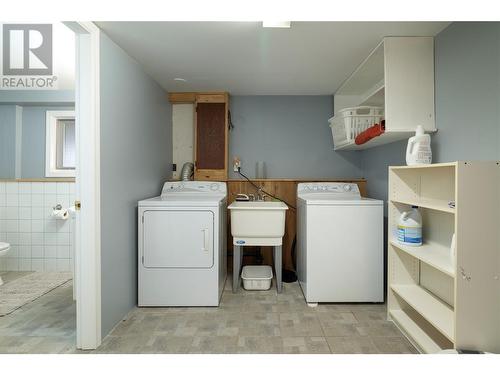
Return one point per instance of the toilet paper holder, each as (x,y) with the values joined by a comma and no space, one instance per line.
(58,213)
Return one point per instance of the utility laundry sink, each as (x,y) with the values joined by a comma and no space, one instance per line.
(258,223)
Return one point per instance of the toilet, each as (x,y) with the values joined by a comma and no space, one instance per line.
(4,249)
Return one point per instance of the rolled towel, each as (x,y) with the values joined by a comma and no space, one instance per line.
(371,132)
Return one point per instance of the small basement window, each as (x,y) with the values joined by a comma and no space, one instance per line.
(60,152)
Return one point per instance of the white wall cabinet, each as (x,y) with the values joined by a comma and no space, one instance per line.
(398,75)
(438,300)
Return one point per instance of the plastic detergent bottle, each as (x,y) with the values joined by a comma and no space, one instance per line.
(410,227)
(419,150)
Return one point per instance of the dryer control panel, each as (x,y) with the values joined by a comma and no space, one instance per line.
(205,187)
(344,188)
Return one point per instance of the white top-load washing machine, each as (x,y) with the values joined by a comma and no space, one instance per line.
(182,245)
(340,254)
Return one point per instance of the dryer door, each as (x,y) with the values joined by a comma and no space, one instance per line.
(178,239)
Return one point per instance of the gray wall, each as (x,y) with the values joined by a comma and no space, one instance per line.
(467,84)
(468,92)
(7,141)
(37,97)
(34,103)
(290,134)
(136,149)
(33,139)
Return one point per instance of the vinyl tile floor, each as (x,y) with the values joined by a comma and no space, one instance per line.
(8,276)
(246,322)
(259,322)
(46,325)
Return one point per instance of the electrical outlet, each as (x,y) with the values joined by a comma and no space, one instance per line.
(236,164)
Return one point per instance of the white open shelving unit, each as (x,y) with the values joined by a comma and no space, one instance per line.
(398,75)
(432,253)
(441,301)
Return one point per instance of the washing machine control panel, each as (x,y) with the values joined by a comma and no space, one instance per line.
(206,187)
(328,187)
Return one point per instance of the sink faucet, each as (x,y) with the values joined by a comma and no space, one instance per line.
(260,195)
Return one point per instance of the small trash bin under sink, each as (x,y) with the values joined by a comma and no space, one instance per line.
(257,277)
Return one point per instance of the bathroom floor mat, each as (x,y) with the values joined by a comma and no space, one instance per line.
(23,290)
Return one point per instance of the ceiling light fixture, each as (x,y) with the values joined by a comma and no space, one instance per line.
(180,80)
(277,24)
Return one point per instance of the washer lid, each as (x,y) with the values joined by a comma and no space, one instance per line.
(335,200)
(343,190)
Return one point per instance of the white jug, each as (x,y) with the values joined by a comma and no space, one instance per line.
(419,150)
(410,228)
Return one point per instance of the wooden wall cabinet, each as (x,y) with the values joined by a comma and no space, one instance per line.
(211,136)
(437,299)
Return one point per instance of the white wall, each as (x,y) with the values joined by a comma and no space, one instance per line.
(38,241)
(182,135)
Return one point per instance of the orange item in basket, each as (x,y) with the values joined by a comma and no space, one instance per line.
(371,132)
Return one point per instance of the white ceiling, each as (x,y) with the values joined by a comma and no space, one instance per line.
(310,58)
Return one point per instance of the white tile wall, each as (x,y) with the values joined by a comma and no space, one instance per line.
(38,241)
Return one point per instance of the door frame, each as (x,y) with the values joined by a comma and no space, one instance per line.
(87,186)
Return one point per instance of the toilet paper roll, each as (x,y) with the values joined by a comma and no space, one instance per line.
(60,214)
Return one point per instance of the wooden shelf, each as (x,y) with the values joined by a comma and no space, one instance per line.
(428,298)
(433,254)
(375,96)
(419,166)
(436,312)
(414,333)
(432,204)
(387,137)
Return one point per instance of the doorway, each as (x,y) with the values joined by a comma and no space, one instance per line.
(66,250)
(37,189)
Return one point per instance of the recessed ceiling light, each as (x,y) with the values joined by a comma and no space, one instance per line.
(180,80)
(277,24)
